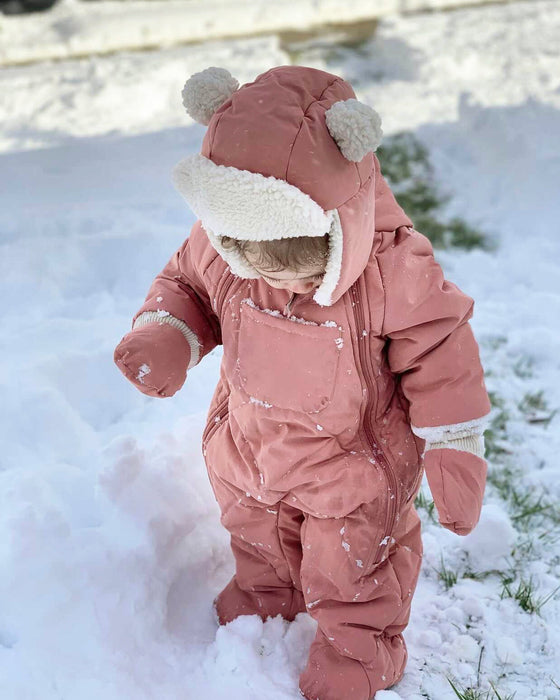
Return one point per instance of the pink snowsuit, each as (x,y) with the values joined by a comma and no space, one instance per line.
(316,429)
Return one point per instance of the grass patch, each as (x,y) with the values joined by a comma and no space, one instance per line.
(535,408)
(422,501)
(525,594)
(495,436)
(447,576)
(526,507)
(406,167)
(523,367)
(478,575)
(528,510)
(477,694)
(467,693)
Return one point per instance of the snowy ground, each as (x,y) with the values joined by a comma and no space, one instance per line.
(111,550)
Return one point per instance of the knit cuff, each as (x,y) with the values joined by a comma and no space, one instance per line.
(473,443)
(164,317)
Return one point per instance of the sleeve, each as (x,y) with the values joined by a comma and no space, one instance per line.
(431,343)
(178,296)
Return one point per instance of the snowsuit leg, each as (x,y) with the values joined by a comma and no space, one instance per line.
(361,609)
(265,541)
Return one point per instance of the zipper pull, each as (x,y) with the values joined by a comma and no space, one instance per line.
(288,305)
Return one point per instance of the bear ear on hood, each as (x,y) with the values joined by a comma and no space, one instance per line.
(207,90)
(355,127)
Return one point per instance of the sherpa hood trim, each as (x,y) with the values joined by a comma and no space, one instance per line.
(270,168)
(249,206)
(245,205)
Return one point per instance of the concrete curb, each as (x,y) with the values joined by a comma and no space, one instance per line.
(75,29)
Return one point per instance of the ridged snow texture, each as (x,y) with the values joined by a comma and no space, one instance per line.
(355,127)
(207,90)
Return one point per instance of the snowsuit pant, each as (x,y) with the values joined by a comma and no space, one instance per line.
(288,562)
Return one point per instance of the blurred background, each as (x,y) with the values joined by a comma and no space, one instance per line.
(110,544)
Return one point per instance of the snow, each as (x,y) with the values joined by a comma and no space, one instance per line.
(111,550)
(264,404)
(295,319)
(508,651)
(491,542)
(143,370)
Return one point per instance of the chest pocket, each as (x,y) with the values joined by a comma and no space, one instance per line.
(287,363)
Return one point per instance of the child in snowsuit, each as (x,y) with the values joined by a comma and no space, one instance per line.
(343,374)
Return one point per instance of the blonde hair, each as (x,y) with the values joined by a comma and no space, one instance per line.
(294,254)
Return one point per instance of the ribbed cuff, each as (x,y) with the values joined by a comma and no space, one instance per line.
(165,317)
(469,443)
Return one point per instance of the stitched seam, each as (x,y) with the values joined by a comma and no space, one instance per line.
(148,386)
(358,192)
(215,132)
(318,99)
(282,547)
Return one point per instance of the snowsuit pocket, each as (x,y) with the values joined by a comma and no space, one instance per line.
(362,534)
(287,363)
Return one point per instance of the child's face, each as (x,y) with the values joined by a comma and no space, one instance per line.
(300,282)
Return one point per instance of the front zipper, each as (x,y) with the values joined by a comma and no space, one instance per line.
(371,439)
(214,421)
(287,308)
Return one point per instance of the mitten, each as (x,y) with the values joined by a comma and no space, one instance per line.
(456,473)
(155,358)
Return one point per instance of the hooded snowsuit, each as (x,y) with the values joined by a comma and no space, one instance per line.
(317,427)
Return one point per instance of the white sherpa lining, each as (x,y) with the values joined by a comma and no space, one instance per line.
(441,433)
(333,268)
(249,206)
(246,205)
(165,317)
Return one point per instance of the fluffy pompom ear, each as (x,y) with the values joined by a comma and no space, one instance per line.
(207,90)
(355,127)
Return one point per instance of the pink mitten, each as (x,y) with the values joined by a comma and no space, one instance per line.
(155,358)
(457,479)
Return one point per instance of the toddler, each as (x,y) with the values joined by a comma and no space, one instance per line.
(348,366)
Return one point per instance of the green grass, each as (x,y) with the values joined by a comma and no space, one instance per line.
(525,594)
(477,694)
(495,436)
(447,576)
(523,367)
(535,408)
(526,507)
(406,166)
(499,696)
(468,693)
(422,501)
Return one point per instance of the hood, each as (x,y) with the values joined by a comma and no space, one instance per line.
(269,168)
